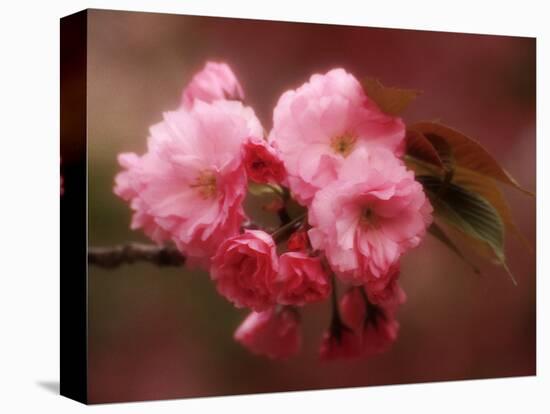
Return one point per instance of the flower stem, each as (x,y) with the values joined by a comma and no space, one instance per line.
(373,311)
(286,229)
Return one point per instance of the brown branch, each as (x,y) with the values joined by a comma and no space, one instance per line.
(114,256)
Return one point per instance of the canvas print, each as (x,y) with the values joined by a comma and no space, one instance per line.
(277,206)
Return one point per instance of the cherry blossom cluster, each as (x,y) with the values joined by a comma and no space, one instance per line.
(332,151)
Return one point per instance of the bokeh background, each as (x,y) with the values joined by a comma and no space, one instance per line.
(165,333)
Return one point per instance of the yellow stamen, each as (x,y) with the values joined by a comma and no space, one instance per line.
(206,184)
(368,217)
(343,144)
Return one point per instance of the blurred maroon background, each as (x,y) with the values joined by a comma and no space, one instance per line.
(165,333)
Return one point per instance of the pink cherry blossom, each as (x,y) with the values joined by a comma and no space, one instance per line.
(378,288)
(274,333)
(128,186)
(317,126)
(262,162)
(301,280)
(245,270)
(391,297)
(190,184)
(298,241)
(380,333)
(374,324)
(369,217)
(215,81)
(353,309)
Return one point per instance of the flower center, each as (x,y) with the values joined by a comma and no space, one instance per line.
(258,164)
(205,183)
(368,217)
(343,144)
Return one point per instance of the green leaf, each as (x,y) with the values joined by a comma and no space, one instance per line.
(392,101)
(488,189)
(468,212)
(434,149)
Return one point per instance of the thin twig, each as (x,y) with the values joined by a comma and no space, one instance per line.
(114,256)
(286,229)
